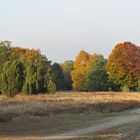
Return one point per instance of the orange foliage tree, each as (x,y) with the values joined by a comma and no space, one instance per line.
(17,52)
(82,67)
(124,66)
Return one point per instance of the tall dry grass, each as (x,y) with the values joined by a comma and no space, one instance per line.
(73,102)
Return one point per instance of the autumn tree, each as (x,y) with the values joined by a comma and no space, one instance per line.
(82,66)
(138,88)
(12,78)
(97,79)
(17,53)
(123,66)
(67,67)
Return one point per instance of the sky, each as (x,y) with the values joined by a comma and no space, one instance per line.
(61,28)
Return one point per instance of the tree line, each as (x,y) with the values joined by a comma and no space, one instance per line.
(30,72)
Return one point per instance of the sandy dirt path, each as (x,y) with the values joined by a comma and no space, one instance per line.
(129,117)
(124,118)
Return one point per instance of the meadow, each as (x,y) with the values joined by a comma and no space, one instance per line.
(66,102)
(25,116)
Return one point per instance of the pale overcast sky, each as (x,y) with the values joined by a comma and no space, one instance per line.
(61,28)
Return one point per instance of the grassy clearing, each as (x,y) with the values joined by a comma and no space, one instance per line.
(49,105)
(23,116)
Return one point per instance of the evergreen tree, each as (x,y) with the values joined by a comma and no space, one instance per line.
(36,67)
(98,78)
(67,67)
(59,76)
(29,86)
(12,78)
(5,48)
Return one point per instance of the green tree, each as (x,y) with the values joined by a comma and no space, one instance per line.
(59,76)
(5,47)
(97,78)
(12,78)
(30,80)
(67,67)
(51,86)
(41,79)
(36,67)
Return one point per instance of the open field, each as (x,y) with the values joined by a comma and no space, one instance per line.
(43,115)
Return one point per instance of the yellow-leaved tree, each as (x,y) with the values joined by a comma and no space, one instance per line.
(82,66)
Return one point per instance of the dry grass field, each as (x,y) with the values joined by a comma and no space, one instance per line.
(51,114)
(48,105)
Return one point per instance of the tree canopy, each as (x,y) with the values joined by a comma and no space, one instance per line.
(82,66)
(123,66)
(67,67)
(58,76)
(30,72)
(12,78)
(97,78)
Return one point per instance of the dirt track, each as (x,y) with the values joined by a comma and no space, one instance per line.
(129,117)
(125,125)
